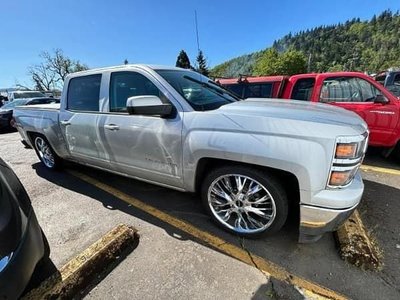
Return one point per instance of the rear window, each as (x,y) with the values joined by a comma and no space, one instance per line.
(84,92)
(303,89)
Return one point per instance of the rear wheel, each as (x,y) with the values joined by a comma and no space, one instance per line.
(45,153)
(396,152)
(245,201)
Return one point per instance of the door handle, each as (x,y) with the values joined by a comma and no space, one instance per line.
(65,122)
(111,127)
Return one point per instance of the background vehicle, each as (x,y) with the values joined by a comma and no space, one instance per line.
(390,80)
(176,128)
(22,243)
(353,91)
(3,100)
(24,95)
(6,111)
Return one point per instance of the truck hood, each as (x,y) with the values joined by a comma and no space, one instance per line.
(293,110)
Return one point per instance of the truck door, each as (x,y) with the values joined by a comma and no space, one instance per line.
(147,147)
(80,121)
(361,96)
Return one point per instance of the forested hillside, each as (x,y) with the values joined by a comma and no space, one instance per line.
(370,46)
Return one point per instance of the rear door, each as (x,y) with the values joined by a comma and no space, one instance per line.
(358,95)
(82,122)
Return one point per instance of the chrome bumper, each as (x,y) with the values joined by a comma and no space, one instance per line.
(315,220)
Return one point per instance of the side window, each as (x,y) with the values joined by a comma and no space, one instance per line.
(381,79)
(348,89)
(395,87)
(262,90)
(83,93)
(237,89)
(397,80)
(303,89)
(128,84)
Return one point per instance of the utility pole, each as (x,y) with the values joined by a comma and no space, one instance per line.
(309,63)
(197,32)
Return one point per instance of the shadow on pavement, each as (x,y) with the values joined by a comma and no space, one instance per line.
(318,262)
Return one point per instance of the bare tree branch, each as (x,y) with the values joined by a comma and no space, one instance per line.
(54,69)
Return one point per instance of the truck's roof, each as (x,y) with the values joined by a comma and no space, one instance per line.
(259,79)
(125,67)
(250,79)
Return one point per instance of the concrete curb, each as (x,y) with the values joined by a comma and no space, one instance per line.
(81,271)
(356,246)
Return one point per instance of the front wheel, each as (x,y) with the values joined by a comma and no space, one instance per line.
(245,201)
(45,153)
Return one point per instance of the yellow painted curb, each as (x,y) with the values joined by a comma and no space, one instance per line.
(309,288)
(380,170)
(78,273)
(356,246)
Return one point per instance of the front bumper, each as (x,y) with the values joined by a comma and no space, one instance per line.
(315,220)
(18,271)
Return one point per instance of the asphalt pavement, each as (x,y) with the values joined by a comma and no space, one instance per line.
(170,263)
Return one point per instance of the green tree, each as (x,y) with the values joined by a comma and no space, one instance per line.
(266,64)
(183,60)
(291,62)
(201,64)
(288,63)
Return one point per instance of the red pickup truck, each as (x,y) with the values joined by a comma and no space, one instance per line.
(350,90)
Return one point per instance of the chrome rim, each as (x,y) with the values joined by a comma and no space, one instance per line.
(241,203)
(44,151)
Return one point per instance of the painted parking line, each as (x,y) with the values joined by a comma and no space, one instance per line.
(380,170)
(310,289)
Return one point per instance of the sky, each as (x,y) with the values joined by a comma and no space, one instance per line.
(103,33)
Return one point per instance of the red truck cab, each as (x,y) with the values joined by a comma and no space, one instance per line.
(350,90)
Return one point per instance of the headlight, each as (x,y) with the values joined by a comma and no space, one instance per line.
(347,158)
(344,151)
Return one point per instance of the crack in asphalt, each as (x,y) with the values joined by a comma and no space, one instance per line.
(272,293)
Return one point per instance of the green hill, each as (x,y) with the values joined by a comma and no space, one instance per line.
(356,45)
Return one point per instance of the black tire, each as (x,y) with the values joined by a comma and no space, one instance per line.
(242,204)
(396,152)
(46,154)
(46,245)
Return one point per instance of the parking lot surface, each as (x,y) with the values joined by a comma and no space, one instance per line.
(170,263)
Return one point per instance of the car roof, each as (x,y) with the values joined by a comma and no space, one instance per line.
(126,67)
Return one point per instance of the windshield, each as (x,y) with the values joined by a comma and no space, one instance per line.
(14,103)
(21,95)
(199,91)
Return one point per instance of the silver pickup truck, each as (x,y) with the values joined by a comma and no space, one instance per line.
(252,161)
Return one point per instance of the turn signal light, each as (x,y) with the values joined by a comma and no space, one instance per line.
(346,150)
(339,178)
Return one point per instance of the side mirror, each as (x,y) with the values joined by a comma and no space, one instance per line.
(381,99)
(148,106)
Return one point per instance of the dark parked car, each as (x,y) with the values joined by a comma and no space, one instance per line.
(22,242)
(6,111)
(390,80)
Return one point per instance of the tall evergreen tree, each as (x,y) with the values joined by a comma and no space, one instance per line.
(183,60)
(201,64)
